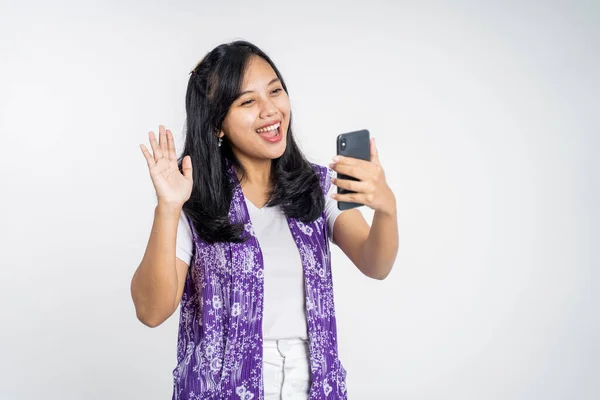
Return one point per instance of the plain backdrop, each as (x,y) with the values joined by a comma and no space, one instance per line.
(486,116)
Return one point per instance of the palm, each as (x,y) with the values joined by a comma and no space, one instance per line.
(172,187)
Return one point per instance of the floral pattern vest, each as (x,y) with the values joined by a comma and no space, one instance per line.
(219,350)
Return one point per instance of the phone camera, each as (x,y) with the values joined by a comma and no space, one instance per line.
(343,143)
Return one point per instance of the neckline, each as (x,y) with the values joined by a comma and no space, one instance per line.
(252,205)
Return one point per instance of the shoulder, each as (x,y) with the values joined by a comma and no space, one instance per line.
(324,174)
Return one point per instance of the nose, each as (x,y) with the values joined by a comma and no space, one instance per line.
(268,109)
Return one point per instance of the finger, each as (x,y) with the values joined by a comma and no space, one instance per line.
(171,145)
(374,152)
(355,162)
(155,147)
(186,166)
(148,156)
(162,140)
(355,186)
(350,197)
(353,171)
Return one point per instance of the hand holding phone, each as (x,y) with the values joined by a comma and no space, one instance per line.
(367,185)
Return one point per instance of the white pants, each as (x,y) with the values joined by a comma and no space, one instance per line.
(286,369)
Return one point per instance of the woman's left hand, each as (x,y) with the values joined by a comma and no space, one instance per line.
(371,188)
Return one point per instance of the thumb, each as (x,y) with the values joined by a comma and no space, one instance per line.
(186,166)
(374,152)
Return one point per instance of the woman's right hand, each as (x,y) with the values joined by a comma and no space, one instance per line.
(172,187)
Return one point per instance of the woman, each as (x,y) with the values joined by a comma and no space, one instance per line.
(241,235)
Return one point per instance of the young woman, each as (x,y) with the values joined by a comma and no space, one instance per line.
(241,234)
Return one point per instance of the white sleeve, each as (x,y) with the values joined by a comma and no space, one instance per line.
(331,211)
(185,241)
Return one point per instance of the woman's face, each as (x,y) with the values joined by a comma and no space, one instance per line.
(257,122)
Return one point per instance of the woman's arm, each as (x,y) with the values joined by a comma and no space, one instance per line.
(157,285)
(372,249)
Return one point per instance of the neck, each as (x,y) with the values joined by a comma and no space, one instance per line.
(257,173)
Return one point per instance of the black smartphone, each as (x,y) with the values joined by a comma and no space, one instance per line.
(355,144)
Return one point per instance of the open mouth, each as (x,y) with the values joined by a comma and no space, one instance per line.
(270,132)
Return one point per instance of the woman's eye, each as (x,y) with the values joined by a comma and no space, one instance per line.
(277,90)
(245,103)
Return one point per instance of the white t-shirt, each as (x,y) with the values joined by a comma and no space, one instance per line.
(284,312)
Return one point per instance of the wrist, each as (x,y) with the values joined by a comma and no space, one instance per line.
(389,207)
(168,208)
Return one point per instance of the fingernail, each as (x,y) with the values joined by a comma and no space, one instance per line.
(332,165)
(336,159)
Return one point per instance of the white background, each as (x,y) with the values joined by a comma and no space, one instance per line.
(487,121)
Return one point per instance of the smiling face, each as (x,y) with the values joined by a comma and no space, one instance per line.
(257,122)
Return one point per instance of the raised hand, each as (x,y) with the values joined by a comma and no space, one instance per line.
(372,189)
(172,187)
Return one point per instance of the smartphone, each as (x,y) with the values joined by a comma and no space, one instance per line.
(355,144)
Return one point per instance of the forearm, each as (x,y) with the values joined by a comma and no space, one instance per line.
(381,247)
(154,284)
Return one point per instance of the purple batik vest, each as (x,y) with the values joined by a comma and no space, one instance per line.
(219,351)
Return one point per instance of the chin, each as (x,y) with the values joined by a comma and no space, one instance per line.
(278,151)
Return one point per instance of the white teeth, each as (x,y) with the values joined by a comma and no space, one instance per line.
(268,128)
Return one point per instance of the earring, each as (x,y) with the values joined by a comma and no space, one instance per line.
(220,142)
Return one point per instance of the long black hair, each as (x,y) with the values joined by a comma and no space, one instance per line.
(213,86)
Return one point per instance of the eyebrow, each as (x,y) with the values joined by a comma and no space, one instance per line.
(250,91)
